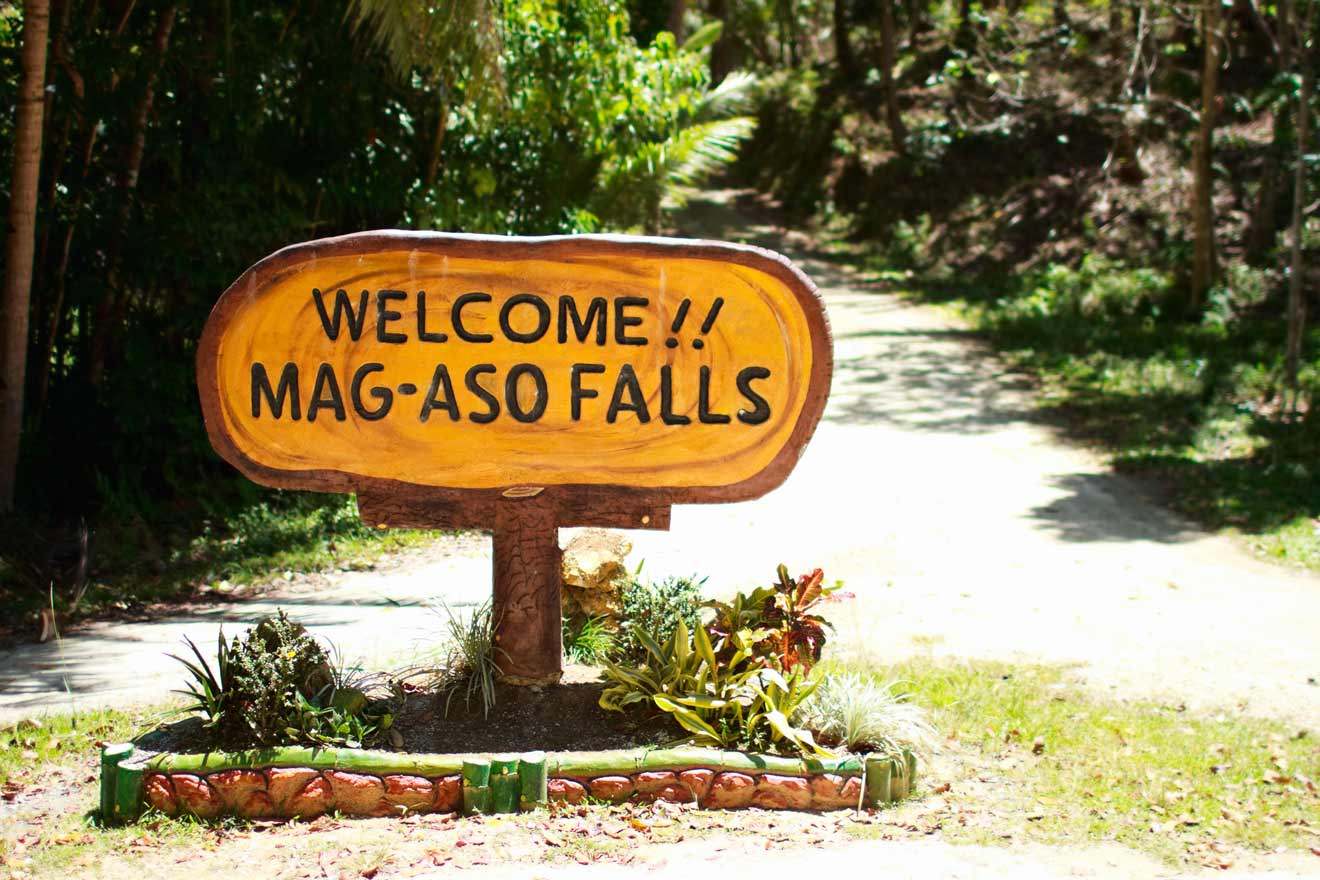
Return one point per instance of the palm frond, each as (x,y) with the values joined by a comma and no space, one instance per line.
(732,97)
(700,150)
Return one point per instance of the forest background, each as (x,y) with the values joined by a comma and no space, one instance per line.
(1118,193)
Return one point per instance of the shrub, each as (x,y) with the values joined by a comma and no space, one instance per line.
(276,686)
(589,642)
(1098,288)
(857,712)
(656,609)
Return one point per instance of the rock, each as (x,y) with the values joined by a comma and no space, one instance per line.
(661,785)
(593,560)
(234,788)
(414,793)
(594,574)
(358,794)
(653,780)
(851,791)
(825,793)
(315,798)
(597,603)
(448,794)
(158,792)
(196,796)
(284,783)
(782,792)
(257,805)
(697,782)
(611,788)
(566,790)
(730,791)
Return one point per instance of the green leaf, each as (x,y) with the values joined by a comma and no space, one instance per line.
(702,702)
(704,647)
(704,37)
(690,720)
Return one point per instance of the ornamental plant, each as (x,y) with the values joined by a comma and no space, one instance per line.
(779,622)
(276,686)
(730,702)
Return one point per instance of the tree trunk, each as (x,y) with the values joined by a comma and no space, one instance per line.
(843,51)
(897,131)
(438,141)
(110,311)
(724,54)
(1296,317)
(1060,13)
(1263,227)
(677,12)
(1116,19)
(20,240)
(1203,212)
(917,21)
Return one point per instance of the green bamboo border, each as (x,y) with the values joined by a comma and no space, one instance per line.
(499,783)
(621,761)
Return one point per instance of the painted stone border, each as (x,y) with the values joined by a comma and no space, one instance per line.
(303,783)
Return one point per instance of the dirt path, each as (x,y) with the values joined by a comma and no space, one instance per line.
(967,527)
(964,526)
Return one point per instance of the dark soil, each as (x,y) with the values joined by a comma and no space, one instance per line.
(562,717)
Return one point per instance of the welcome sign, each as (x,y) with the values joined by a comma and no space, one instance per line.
(445,377)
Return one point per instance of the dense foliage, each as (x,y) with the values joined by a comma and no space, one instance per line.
(1114,186)
(275,686)
(1121,192)
(186,141)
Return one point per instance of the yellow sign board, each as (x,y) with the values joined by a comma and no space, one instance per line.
(482,363)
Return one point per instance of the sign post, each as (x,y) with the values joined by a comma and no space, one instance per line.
(518,385)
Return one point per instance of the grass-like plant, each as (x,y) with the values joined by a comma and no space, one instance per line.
(469,664)
(210,691)
(589,642)
(864,715)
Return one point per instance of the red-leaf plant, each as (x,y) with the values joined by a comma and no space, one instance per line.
(778,621)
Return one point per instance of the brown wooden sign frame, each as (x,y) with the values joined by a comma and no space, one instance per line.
(523,518)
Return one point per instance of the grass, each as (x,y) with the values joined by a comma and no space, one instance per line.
(1028,756)
(131,565)
(1065,766)
(588,642)
(1195,408)
(29,745)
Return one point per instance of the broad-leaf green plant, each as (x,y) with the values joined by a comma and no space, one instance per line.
(730,702)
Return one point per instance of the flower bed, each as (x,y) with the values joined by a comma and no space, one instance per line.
(304,783)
